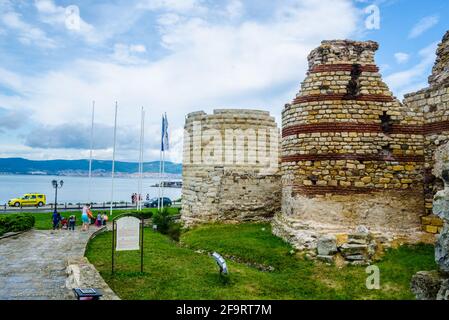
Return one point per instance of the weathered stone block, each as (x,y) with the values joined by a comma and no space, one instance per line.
(327,245)
(426,285)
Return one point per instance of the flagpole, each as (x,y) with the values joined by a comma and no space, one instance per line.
(139,185)
(138,170)
(90,155)
(142,161)
(113,158)
(166,146)
(163,179)
(160,170)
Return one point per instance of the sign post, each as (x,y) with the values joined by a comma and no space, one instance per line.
(127,235)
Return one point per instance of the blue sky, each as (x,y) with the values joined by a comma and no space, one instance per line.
(180,56)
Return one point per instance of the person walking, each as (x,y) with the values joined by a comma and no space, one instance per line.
(85,217)
(104,219)
(133,198)
(72,222)
(56,217)
(98,220)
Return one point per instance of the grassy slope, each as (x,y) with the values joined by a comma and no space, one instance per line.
(175,272)
(44,220)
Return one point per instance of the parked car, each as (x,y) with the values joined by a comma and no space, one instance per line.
(29,200)
(154,202)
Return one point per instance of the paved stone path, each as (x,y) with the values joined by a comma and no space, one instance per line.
(33,264)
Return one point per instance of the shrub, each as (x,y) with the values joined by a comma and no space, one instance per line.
(145,214)
(165,224)
(174,230)
(162,220)
(16,223)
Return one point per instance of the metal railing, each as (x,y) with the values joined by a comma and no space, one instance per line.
(74,207)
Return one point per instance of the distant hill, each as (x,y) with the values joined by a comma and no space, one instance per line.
(80,167)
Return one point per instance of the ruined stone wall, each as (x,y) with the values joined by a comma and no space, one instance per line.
(230,167)
(351,153)
(433,103)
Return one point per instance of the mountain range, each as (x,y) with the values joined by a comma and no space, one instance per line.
(81,167)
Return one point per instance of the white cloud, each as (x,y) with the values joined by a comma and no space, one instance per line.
(129,54)
(168,19)
(210,64)
(401,57)
(58,16)
(27,34)
(10,80)
(235,9)
(140,48)
(414,78)
(423,25)
(172,5)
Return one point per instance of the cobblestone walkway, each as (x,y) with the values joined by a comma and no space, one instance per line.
(32,265)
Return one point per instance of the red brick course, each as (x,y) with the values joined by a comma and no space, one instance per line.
(339,97)
(323,190)
(430,128)
(356,157)
(342,67)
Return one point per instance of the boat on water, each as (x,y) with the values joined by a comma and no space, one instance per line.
(169,184)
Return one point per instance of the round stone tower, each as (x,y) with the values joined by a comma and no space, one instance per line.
(351,153)
(230,167)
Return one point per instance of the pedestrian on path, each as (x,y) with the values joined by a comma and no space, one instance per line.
(72,222)
(85,217)
(56,217)
(98,221)
(104,219)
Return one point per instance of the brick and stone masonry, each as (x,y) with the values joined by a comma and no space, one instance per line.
(230,167)
(433,104)
(351,153)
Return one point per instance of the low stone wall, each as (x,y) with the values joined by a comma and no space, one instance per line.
(82,274)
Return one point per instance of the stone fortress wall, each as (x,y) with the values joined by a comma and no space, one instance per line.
(240,185)
(433,103)
(351,155)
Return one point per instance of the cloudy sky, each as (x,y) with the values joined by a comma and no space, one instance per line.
(179,56)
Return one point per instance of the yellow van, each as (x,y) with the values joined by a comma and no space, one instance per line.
(29,199)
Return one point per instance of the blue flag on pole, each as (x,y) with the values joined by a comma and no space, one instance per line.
(164,138)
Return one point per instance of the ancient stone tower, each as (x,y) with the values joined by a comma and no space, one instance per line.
(230,167)
(433,104)
(351,153)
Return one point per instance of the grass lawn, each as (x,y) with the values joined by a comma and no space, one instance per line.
(174,271)
(44,219)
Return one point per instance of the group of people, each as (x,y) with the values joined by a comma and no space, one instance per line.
(135,198)
(60,222)
(88,218)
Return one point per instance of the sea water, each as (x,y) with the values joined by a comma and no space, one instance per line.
(75,189)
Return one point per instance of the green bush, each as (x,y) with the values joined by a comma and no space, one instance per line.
(165,225)
(174,230)
(16,223)
(145,214)
(162,220)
